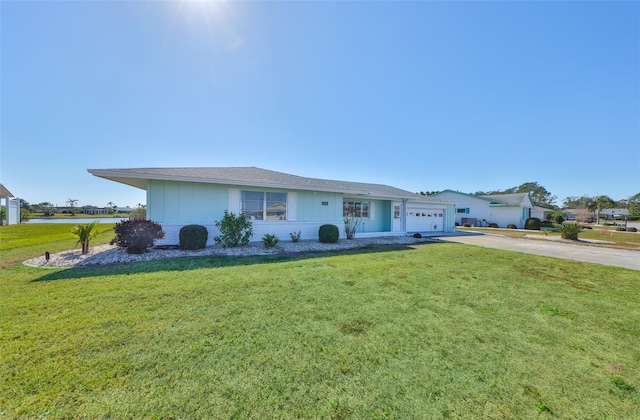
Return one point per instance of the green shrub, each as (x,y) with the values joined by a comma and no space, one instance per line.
(546,223)
(269,240)
(136,235)
(234,230)
(295,236)
(139,213)
(466,225)
(329,234)
(493,225)
(85,233)
(557,217)
(533,223)
(632,229)
(512,226)
(193,237)
(569,230)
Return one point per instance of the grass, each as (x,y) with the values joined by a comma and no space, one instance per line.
(77,216)
(619,240)
(431,331)
(23,241)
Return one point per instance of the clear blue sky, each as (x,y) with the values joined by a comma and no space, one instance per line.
(421,95)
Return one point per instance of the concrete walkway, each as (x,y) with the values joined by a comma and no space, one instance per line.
(585,253)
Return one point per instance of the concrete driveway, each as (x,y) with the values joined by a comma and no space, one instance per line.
(555,249)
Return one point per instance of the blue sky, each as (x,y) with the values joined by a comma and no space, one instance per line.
(421,95)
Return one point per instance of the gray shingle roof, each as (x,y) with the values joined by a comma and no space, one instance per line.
(4,192)
(253,177)
(510,199)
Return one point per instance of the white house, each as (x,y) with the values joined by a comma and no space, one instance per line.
(609,214)
(502,209)
(279,203)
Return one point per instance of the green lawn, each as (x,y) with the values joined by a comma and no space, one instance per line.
(613,238)
(429,331)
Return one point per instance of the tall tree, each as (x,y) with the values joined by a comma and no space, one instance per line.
(539,194)
(71,202)
(633,205)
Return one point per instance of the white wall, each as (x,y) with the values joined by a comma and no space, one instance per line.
(308,231)
(481,209)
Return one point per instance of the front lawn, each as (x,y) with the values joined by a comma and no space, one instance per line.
(429,331)
(609,236)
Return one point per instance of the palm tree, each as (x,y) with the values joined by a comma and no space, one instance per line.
(85,233)
(71,202)
(112,207)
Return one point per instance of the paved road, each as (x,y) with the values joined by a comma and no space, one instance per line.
(585,253)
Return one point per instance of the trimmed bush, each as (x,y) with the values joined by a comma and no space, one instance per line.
(466,225)
(136,235)
(532,223)
(632,229)
(328,234)
(569,230)
(621,229)
(417,235)
(512,226)
(493,225)
(193,237)
(295,236)
(234,230)
(546,223)
(269,240)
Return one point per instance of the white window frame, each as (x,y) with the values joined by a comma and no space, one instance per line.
(348,202)
(264,205)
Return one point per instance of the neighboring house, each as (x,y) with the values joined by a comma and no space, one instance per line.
(279,203)
(610,214)
(580,215)
(541,213)
(481,210)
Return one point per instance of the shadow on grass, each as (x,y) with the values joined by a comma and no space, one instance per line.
(205,262)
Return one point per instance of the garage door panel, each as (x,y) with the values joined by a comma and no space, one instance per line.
(425,219)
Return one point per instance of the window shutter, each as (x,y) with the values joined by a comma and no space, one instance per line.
(234,200)
(292,206)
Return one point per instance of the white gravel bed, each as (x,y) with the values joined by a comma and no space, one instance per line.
(110,254)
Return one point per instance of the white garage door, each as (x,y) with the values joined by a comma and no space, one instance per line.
(422,219)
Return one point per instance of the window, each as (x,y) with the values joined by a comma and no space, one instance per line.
(356,208)
(461,211)
(258,205)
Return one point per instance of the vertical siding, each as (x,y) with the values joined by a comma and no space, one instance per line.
(450,218)
(380,220)
(186,202)
(310,208)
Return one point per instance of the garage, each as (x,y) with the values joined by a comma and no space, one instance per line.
(424,219)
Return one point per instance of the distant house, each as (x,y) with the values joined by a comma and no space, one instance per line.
(279,203)
(95,210)
(482,210)
(541,213)
(580,215)
(610,214)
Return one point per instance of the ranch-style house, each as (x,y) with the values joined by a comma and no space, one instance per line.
(279,203)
